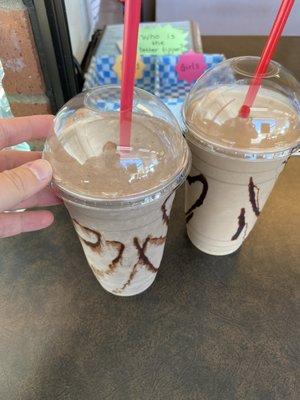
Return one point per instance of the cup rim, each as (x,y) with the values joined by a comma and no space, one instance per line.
(152,194)
(196,137)
(125,201)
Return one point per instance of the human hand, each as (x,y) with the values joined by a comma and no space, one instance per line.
(24,177)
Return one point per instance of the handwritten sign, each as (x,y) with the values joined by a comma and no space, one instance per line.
(162,40)
(190,66)
(139,71)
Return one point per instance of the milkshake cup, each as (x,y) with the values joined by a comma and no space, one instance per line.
(119,199)
(236,161)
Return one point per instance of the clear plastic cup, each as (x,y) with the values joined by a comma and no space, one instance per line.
(236,161)
(119,199)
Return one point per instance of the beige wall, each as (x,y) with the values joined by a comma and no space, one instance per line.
(229,17)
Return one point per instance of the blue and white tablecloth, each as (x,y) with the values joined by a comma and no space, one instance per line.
(159,77)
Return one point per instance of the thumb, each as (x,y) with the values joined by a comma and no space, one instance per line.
(20,183)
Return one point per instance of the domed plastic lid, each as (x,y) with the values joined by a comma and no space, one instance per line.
(272,129)
(89,167)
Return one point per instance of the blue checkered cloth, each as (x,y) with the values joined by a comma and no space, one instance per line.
(101,73)
(159,77)
(168,86)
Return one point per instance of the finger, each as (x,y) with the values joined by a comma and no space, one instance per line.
(13,223)
(18,184)
(44,198)
(10,159)
(18,130)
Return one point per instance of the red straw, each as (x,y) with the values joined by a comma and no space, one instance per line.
(130,40)
(266,56)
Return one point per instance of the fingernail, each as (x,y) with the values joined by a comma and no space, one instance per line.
(40,168)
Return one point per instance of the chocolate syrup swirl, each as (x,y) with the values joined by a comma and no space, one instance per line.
(93,245)
(189,217)
(241,224)
(165,216)
(192,179)
(253,199)
(120,247)
(286,161)
(98,245)
(143,260)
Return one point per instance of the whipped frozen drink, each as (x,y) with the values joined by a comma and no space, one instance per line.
(235,161)
(124,248)
(119,199)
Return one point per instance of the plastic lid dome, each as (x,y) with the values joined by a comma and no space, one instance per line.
(89,166)
(273,127)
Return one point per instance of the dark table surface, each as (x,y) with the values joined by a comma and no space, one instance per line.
(210,328)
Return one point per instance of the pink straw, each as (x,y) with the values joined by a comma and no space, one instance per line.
(274,36)
(130,40)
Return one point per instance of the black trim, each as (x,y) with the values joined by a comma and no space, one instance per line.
(58,23)
(148,11)
(51,33)
(46,53)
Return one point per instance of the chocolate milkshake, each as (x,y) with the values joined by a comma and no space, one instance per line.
(235,161)
(119,199)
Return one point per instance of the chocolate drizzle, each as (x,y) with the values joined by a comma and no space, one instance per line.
(241,224)
(192,179)
(120,247)
(95,246)
(189,217)
(165,216)
(157,241)
(253,200)
(143,260)
(286,161)
(98,246)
